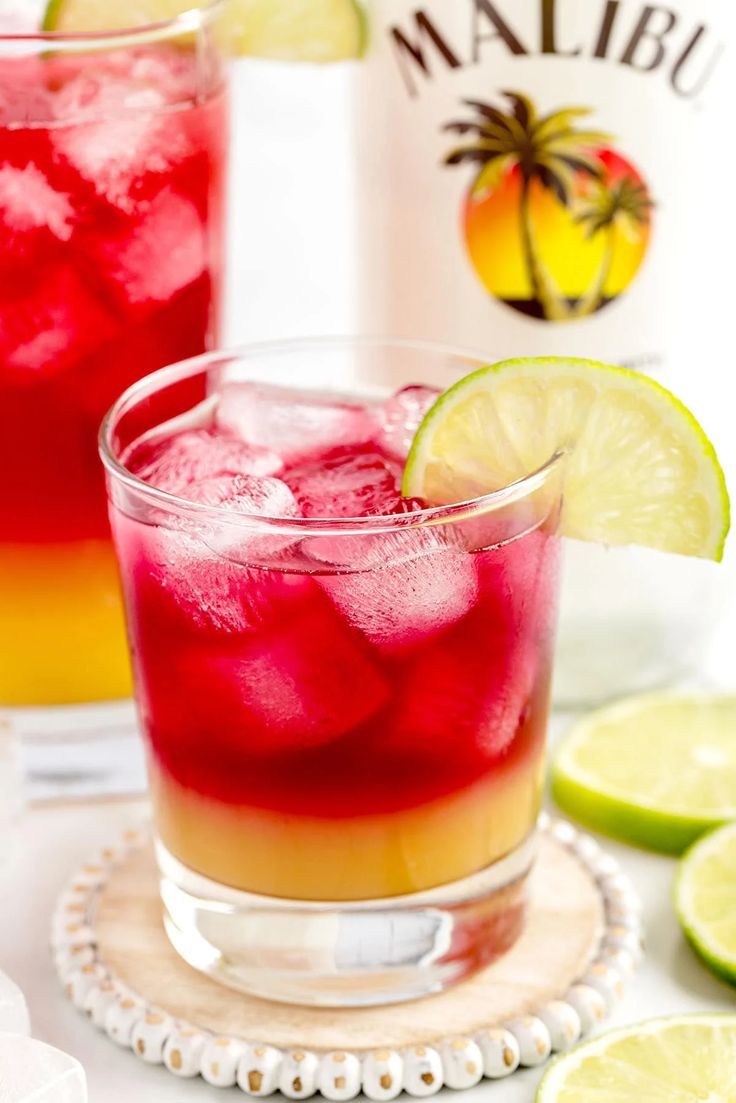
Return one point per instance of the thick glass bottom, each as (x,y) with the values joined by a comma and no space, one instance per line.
(73,752)
(345,954)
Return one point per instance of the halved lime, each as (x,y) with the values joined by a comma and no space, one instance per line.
(705,900)
(683,1059)
(640,469)
(657,770)
(292,30)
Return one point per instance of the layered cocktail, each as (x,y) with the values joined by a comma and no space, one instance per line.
(112,160)
(344,691)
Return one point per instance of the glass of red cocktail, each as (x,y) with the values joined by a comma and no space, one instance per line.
(112,164)
(344,692)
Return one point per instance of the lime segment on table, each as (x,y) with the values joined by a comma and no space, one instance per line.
(639,469)
(705,899)
(683,1059)
(292,30)
(657,770)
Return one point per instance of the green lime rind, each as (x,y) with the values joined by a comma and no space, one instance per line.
(651,770)
(364,30)
(675,415)
(51,16)
(632,1062)
(704,942)
(628,822)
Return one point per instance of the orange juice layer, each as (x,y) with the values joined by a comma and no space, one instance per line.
(62,635)
(305,858)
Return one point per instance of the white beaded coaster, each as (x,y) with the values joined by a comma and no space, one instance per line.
(581,944)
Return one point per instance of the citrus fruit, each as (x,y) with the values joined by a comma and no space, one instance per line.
(639,469)
(705,899)
(683,1059)
(292,30)
(657,770)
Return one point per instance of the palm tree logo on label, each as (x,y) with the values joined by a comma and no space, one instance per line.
(557,222)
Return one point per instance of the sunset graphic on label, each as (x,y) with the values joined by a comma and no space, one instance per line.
(557,222)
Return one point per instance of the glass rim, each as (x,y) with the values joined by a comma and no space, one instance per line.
(154,382)
(195,18)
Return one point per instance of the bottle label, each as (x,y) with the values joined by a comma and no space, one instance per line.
(532,172)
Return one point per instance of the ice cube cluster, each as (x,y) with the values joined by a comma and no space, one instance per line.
(106,162)
(340,458)
(314,612)
(296,424)
(292,637)
(185,461)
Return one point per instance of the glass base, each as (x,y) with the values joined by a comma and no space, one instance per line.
(355,954)
(74,752)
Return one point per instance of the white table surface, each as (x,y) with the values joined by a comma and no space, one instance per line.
(54,840)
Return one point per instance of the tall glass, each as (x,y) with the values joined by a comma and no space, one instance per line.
(345,719)
(112,165)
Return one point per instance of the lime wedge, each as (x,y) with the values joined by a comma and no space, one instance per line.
(683,1059)
(705,899)
(656,771)
(292,30)
(640,469)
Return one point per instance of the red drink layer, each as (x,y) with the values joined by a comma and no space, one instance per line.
(111,196)
(331,714)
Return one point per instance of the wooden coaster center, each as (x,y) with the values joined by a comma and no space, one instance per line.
(563,931)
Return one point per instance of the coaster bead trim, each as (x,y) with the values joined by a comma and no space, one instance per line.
(420,1071)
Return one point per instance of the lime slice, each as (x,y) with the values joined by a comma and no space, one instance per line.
(640,469)
(292,30)
(656,770)
(705,899)
(683,1059)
